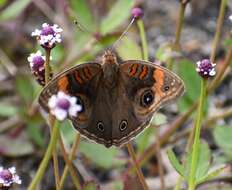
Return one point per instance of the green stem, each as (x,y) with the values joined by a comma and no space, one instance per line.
(47,65)
(218,29)
(180,24)
(47,157)
(68,160)
(138,170)
(197,130)
(143,39)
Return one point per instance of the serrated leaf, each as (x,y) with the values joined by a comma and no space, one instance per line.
(14,9)
(84,15)
(103,157)
(175,163)
(128,49)
(203,163)
(211,174)
(223,137)
(7,110)
(192,81)
(117,15)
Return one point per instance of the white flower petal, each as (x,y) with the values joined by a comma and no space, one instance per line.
(36,32)
(52,102)
(60,114)
(45,25)
(73,110)
(73,100)
(16,179)
(212,72)
(12,170)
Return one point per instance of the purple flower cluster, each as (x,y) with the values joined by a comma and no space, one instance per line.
(37,61)
(8,177)
(48,36)
(63,105)
(206,68)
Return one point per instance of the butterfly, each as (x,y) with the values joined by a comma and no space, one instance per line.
(118,99)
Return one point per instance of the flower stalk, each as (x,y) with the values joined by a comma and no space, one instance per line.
(71,157)
(47,157)
(143,39)
(47,65)
(197,130)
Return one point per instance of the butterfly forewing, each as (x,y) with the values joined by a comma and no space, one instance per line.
(72,81)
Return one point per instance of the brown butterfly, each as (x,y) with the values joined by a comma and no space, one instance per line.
(118,99)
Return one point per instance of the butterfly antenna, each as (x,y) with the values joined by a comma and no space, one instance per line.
(123,34)
(80,26)
(84,29)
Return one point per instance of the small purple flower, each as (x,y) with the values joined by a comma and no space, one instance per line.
(48,36)
(137,12)
(8,177)
(63,105)
(206,68)
(37,61)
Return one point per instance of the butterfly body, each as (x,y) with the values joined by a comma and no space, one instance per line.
(118,99)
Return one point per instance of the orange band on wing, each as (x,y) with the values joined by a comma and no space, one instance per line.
(78,78)
(158,75)
(133,70)
(87,72)
(144,72)
(63,84)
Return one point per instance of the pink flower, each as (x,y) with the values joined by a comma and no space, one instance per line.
(8,177)
(206,68)
(63,105)
(48,36)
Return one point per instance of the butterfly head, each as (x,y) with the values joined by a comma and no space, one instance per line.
(109,58)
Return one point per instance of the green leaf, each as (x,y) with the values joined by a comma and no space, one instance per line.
(84,15)
(7,110)
(159,119)
(203,163)
(128,49)
(187,71)
(68,132)
(101,156)
(228,42)
(25,88)
(117,15)
(212,174)
(223,137)
(143,139)
(35,133)
(14,9)
(90,186)
(175,163)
